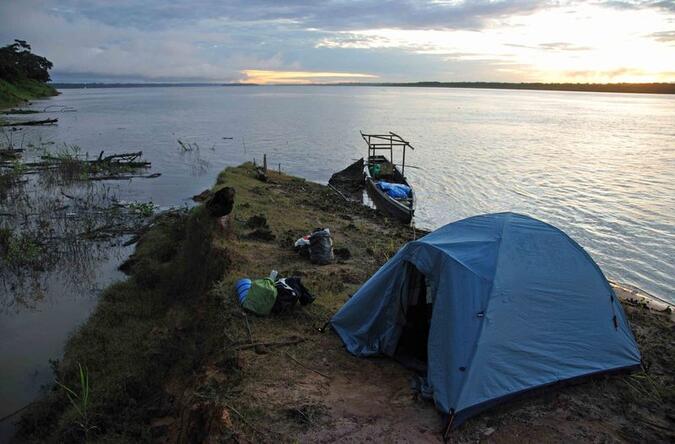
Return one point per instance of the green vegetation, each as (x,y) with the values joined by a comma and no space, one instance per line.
(171,357)
(23,75)
(145,332)
(80,401)
(143,209)
(19,250)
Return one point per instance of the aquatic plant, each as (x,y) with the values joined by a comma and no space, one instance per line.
(143,209)
(80,400)
(19,250)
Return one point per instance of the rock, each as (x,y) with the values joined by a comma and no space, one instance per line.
(488,431)
(264,234)
(261,230)
(342,253)
(201,197)
(257,221)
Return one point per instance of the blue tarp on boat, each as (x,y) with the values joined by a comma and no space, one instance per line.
(395,190)
(517,305)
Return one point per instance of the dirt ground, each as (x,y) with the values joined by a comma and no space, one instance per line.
(314,391)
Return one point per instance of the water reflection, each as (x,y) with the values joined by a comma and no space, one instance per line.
(54,227)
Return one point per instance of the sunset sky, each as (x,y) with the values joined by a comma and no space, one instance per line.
(302,41)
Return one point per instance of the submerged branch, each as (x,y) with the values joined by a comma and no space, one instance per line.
(31,122)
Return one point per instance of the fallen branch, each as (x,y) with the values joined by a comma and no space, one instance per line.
(11,153)
(291,341)
(20,111)
(248,328)
(125,176)
(304,366)
(15,412)
(244,420)
(31,122)
(59,108)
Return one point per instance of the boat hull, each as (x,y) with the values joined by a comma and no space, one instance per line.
(387,205)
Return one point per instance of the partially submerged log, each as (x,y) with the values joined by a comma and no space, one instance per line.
(126,176)
(21,111)
(31,122)
(113,167)
(10,153)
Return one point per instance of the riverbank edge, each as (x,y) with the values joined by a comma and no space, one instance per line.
(21,91)
(160,349)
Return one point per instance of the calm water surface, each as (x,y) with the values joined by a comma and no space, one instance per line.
(599,166)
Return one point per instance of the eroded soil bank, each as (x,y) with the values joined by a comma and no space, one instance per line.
(170,356)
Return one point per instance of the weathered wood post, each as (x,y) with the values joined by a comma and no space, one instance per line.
(265,163)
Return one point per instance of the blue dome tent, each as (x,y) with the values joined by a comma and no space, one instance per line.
(494,305)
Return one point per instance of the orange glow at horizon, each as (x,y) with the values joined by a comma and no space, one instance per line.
(265,77)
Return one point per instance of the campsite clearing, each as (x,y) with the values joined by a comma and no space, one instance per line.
(190,367)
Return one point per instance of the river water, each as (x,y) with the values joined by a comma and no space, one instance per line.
(599,166)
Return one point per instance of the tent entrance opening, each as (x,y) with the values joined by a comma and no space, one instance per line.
(416,308)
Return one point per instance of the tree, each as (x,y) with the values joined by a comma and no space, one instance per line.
(18,62)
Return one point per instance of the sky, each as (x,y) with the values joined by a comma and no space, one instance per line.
(306,41)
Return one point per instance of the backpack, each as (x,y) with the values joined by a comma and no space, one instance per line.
(321,247)
(289,292)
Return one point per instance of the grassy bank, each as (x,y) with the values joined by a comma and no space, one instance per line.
(170,356)
(15,93)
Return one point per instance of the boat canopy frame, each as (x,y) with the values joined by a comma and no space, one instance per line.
(386,142)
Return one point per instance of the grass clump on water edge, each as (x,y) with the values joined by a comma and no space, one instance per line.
(144,333)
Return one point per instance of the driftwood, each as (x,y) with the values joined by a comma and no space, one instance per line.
(31,122)
(112,167)
(11,153)
(20,111)
(122,159)
(126,176)
(290,341)
(58,108)
(127,160)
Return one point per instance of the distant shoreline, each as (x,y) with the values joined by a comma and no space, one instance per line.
(628,88)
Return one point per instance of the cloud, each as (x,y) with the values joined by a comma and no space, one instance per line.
(624,74)
(395,40)
(552,46)
(663,36)
(665,5)
(327,14)
(563,46)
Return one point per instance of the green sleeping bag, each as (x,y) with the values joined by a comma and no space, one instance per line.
(261,297)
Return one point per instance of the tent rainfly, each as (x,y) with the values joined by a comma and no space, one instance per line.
(493,305)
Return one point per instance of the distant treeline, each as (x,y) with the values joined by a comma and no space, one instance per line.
(649,88)
(141,85)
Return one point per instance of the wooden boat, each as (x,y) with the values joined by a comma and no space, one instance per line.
(380,168)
